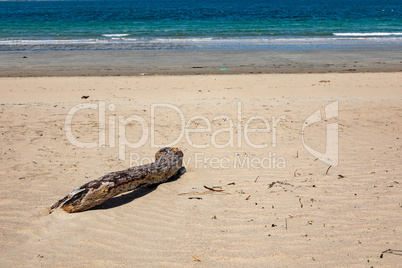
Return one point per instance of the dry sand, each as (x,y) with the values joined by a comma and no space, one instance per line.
(286,214)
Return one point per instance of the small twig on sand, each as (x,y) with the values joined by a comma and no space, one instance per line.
(211,191)
(326,173)
(286,221)
(248,197)
(209,188)
(197,259)
(256,178)
(391,251)
(291,217)
(214,188)
(206,192)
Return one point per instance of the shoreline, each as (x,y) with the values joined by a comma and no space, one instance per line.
(196,62)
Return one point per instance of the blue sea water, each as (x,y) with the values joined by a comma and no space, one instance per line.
(199,24)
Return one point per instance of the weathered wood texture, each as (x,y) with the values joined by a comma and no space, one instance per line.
(167,163)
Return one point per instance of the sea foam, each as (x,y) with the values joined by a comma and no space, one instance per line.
(367,34)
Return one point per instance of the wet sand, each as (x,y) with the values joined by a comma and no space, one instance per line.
(195,62)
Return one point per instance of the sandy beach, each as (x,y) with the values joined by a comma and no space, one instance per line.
(283,206)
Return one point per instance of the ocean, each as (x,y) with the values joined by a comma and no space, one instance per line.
(37,26)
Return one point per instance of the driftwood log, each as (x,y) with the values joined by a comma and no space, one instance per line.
(168,161)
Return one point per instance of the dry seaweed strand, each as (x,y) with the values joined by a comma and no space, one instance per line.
(278,182)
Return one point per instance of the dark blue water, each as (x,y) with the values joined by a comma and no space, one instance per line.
(207,24)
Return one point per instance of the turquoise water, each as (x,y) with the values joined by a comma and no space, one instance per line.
(208,24)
